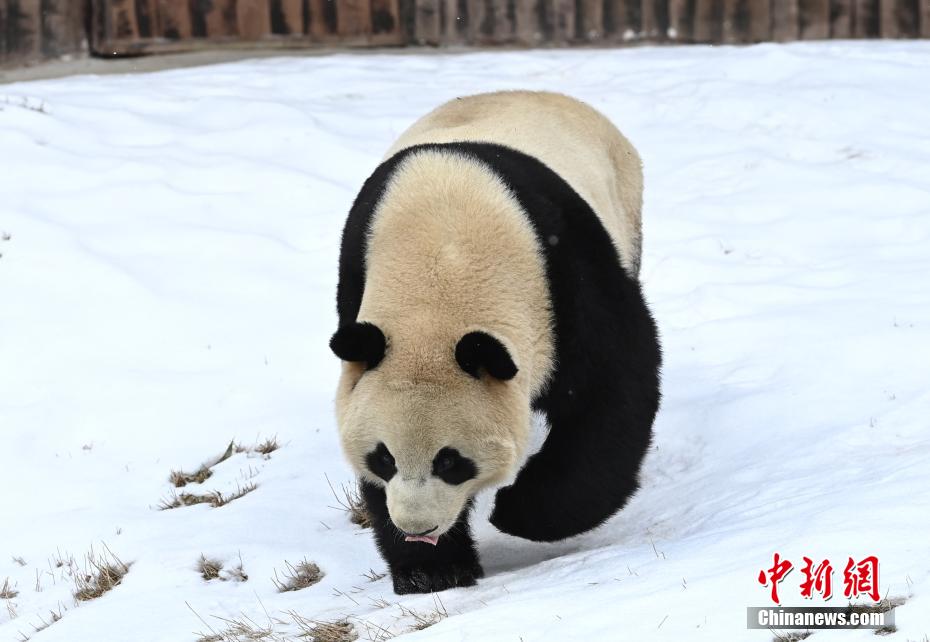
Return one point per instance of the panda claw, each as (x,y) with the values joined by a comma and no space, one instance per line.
(422,580)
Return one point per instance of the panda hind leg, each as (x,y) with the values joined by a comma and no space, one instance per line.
(419,567)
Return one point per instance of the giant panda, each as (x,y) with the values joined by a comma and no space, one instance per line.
(489,270)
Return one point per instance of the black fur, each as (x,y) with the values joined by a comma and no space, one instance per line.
(451,467)
(363,342)
(420,567)
(603,395)
(479,350)
(380,461)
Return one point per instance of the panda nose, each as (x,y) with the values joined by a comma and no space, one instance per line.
(426,532)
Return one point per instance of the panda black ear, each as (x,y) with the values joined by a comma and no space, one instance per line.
(478,350)
(359,342)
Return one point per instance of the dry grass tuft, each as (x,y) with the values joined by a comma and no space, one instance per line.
(424,621)
(180,479)
(53,616)
(209,569)
(374,576)
(214,498)
(241,629)
(235,574)
(792,636)
(268,446)
(102,573)
(297,576)
(213,569)
(352,504)
(19,560)
(323,631)
(7,592)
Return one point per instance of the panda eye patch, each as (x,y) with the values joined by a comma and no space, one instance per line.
(451,467)
(381,462)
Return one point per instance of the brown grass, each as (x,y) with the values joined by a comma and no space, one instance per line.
(424,621)
(214,498)
(267,447)
(180,479)
(213,569)
(323,631)
(7,592)
(102,573)
(297,576)
(352,504)
(208,568)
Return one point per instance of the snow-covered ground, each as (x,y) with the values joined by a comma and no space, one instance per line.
(167,284)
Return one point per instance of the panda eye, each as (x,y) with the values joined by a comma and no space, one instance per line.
(451,467)
(443,464)
(381,462)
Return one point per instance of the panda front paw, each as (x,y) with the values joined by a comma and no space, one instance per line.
(428,579)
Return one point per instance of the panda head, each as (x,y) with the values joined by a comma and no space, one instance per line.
(432,421)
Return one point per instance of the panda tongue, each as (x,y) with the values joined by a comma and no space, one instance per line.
(430,539)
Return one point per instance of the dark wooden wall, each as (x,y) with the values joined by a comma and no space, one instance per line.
(33,30)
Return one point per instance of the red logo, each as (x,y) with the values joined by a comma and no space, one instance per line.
(859,578)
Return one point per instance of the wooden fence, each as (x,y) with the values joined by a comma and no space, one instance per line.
(39,29)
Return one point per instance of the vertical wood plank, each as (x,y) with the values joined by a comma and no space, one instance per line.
(3,30)
(489,22)
(504,27)
(147,18)
(760,21)
(322,20)
(220,19)
(62,27)
(528,18)
(23,27)
(591,20)
(899,18)
(174,19)
(735,21)
(560,20)
(123,24)
(480,29)
(353,18)
(661,18)
(708,20)
(841,18)
(814,19)
(681,20)
(888,24)
(655,19)
(427,26)
(785,20)
(867,19)
(455,21)
(385,23)
(287,17)
(626,19)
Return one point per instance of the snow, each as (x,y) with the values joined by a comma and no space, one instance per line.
(168,285)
